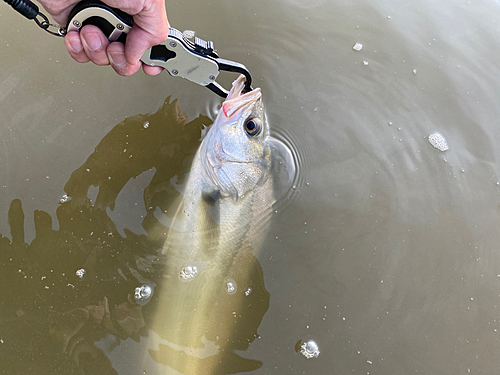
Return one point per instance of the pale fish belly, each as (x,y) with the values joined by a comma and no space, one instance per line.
(212,298)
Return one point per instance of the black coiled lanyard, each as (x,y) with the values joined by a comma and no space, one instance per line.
(31,12)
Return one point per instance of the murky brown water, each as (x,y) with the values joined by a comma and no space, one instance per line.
(386,252)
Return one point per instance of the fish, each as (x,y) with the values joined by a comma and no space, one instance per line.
(212,298)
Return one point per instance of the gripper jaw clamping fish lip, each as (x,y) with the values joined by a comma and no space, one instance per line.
(194,60)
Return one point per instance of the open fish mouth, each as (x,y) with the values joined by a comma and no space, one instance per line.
(236,100)
(237,87)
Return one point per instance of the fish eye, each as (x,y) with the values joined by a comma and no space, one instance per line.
(253,126)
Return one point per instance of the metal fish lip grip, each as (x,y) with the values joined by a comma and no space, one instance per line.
(194,60)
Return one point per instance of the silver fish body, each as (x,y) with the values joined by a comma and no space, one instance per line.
(213,297)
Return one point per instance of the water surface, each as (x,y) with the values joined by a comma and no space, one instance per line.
(385,254)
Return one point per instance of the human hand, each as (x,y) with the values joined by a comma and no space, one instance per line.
(150,28)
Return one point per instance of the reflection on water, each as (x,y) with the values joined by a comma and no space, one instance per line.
(387,257)
(75,286)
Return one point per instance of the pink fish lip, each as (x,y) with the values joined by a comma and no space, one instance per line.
(236,100)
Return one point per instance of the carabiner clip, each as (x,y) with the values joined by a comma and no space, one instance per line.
(230,66)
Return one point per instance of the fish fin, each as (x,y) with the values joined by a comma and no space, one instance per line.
(211,197)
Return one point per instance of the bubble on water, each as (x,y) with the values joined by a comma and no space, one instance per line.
(188,273)
(143,293)
(357,47)
(438,141)
(64,199)
(309,349)
(248,291)
(231,286)
(145,125)
(80,273)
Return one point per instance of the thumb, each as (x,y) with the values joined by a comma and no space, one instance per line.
(117,58)
(138,41)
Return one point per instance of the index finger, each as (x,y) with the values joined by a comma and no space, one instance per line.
(150,25)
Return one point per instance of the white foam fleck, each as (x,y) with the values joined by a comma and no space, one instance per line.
(438,141)
(80,273)
(309,349)
(188,273)
(142,292)
(64,199)
(357,47)
(231,287)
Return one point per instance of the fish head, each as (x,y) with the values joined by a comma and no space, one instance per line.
(236,152)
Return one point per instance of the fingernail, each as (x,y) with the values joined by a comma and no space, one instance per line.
(93,41)
(117,58)
(75,44)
